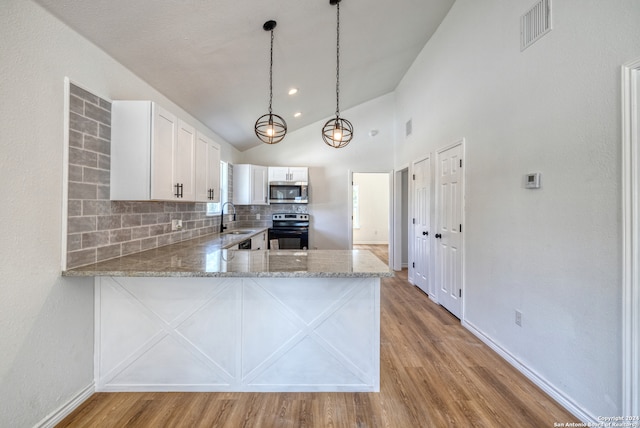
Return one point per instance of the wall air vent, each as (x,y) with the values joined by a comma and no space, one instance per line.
(408,128)
(535,23)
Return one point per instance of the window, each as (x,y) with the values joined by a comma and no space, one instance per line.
(215,208)
(356,206)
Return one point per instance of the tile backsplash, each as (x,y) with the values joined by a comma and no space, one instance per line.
(247,214)
(98,228)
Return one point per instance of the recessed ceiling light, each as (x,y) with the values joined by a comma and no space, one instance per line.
(293,91)
(297,114)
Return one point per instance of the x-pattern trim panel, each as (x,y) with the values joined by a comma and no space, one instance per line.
(232,334)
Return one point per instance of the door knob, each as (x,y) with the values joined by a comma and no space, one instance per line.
(438,235)
(425,233)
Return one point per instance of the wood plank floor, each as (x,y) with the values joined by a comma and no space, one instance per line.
(379,250)
(434,373)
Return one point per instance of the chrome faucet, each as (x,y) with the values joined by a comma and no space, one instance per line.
(222,226)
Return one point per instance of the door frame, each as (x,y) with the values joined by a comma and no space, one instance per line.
(630,238)
(463,277)
(392,220)
(396,221)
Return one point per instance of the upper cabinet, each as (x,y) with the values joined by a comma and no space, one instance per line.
(291,173)
(250,185)
(154,155)
(207,169)
(184,158)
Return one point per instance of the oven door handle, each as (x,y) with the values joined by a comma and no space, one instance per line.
(301,225)
(282,232)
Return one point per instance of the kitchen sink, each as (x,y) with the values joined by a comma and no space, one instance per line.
(237,232)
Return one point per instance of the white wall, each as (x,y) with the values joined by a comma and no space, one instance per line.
(329,167)
(374,208)
(553,253)
(46,322)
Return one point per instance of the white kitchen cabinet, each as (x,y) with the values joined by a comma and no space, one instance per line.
(152,153)
(250,185)
(207,174)
(184,157)
(290,173)
(259,241)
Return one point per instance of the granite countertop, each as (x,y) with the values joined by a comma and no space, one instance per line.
(206,256)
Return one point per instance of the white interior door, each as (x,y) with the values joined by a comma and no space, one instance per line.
(421,223)
(449,197)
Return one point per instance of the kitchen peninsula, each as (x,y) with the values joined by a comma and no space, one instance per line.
(194,316)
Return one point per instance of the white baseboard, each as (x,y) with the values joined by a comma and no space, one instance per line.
(53,418)
(534,377)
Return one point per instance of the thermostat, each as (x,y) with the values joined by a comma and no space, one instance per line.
(532,181)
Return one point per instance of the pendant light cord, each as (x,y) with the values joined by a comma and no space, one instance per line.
(271,75)
(338,62)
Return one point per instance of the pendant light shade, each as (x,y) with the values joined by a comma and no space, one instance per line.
(270,128)
(337,132)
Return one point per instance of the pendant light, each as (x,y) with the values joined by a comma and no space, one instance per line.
(270,128)
(337,132)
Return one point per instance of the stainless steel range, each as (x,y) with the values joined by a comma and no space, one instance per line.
(290,231)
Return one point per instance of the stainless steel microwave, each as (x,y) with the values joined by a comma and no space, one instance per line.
(288,192)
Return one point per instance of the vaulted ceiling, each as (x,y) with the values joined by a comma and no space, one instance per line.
(211,57)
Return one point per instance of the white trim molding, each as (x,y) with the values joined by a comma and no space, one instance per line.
(564,400)
(55,417)
(65,174)
(630,240)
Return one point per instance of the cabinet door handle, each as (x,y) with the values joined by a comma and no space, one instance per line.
(178,193)
(425,233)
(438,235)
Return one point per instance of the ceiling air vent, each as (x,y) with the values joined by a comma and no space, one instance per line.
(535,23)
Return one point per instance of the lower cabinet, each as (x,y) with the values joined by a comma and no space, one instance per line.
(259,241)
